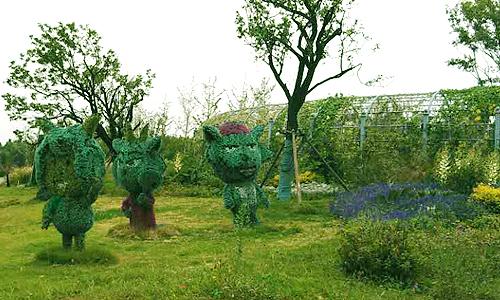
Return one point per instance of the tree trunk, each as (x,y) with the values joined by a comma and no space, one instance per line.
(286,165)
(7,179)
(140,218)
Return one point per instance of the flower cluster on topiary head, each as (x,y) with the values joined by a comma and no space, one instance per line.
(228,128)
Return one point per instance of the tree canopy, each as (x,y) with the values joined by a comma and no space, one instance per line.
(66,76)
(308,31)
(304,29)
(477,25)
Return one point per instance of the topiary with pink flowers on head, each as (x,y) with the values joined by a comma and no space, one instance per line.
(234,152)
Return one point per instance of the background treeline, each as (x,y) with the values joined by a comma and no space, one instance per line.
(393,148)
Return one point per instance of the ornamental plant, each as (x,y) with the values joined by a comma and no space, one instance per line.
(487,195)
(462,168)
(69,166)
(404,201)
(235,155)
(138,168)
(378,251)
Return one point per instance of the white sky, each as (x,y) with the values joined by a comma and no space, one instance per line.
(188,40)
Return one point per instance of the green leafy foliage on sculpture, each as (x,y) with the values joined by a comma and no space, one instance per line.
(139,168)
(235,155)
(70,168)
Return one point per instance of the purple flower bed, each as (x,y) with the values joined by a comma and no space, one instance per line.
(385,201)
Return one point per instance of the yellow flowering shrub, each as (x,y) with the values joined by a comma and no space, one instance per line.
(305,177)
(488,195)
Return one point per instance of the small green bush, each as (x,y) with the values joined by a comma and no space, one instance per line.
(461,263)
(486,222)
(377,251)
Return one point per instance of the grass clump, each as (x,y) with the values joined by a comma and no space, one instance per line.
(377,251)
(226,282)
(162,231)
(107,214)
(90,256)
(461,263)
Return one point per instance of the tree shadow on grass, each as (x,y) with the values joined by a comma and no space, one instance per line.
(56,255)
(124,231)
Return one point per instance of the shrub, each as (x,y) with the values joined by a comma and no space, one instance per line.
(304,177)
(20,176)
(488,195)
(460,263)
(467,171)
(442,166)
(378,251)
(487,222)
(402,201)
(463,168)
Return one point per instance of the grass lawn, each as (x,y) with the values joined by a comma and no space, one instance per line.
(293,255)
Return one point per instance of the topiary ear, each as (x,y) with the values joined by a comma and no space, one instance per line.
(118,145)
(154,144)
(257,131)
(211,133)
(45,125)
(90,124)
(144,133)
(128,133)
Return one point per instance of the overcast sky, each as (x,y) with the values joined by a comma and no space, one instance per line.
(194,40)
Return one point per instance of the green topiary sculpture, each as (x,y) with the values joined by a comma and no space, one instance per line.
(139,169)
(70,168)
(236,156)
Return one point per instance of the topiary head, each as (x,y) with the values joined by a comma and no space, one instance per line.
(234,151)
(138,166)
(69,161)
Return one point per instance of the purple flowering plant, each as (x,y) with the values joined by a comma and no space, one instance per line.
(386,201)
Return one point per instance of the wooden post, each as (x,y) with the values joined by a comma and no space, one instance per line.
(296,167)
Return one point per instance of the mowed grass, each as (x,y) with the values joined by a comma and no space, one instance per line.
(292,255)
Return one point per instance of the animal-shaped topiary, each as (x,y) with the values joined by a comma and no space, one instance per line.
(69,166)
(138,167)
(235,155)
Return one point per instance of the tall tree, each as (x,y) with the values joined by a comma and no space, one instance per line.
(66,76)
(477,25)
(304,30)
